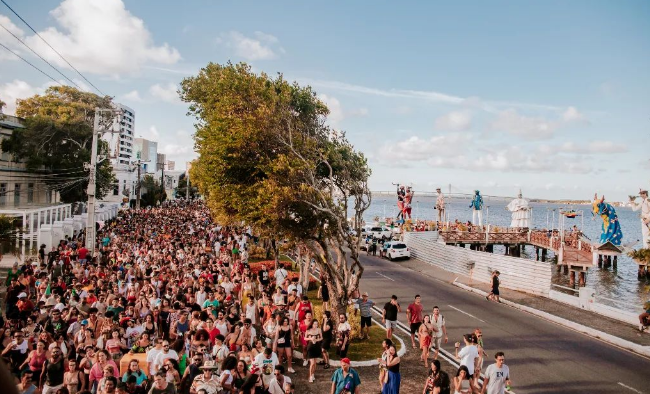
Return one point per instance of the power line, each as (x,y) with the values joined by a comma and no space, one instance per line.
(39,56)
(27,61)
(48,44)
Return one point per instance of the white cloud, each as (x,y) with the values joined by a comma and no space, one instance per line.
(260,47)
(513,123)
(101,37)
(176,150)
(454,121)
(8,40)
(165,92)
(17,89)
(594,147)
(415,149)
(132,96)
(573,115)
(337,114)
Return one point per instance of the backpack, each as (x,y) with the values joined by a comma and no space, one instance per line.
(445,383)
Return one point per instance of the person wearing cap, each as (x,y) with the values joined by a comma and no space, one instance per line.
(365,309)
(207,381)
(345,379)
(25,305)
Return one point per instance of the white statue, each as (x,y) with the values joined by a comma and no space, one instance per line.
(440,205)
(520,212)
(644,206)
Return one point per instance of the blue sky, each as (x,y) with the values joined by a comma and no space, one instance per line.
(551,97)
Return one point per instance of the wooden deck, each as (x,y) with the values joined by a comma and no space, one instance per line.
(574,251)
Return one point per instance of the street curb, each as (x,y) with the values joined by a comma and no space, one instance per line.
(608,338)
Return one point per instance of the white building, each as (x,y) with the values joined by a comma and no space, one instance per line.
(122,155)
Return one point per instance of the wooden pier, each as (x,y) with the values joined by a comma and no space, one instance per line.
(574,252)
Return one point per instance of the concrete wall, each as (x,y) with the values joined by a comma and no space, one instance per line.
(516,273)
(587,301)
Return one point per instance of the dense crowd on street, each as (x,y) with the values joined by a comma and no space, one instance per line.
(169,304)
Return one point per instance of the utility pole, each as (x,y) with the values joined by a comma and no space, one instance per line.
(90,223)
(91,240)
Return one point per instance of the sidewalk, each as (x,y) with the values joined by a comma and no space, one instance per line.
(589,319)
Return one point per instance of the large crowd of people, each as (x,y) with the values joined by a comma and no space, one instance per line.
(169,304)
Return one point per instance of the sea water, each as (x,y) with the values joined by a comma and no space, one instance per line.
(619,288)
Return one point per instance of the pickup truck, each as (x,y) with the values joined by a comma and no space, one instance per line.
(381,232)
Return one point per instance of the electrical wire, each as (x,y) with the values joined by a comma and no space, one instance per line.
(27,61)
(40,57)
(51,47)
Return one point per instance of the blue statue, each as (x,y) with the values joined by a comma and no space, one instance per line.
(611,226)
(477,208)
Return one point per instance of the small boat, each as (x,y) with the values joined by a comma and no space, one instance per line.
(570,214)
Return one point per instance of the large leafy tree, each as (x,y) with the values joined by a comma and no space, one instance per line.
(267,158)
(57,138)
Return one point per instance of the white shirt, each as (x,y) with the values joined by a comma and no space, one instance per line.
(467,355)
(266,366)
(151,358)
(296,286)
(498,377)
(274,386)
(280,275)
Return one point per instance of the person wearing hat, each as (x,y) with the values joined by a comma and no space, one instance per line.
(345,379)
(365,308)
(207,381)
(25,305)
(644,207)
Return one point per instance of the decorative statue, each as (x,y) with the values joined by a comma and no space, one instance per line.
(611,227)
(520,212)
(401,193)
(644,206)
(408,198)
(440,205)
(477,208)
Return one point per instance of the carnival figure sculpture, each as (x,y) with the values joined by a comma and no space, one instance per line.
(477,208)
(644,207)
(611,227)
(440,205)
(520,212)
(408,199)
(401,193)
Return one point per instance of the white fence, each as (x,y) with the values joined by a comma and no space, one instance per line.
(586,300)
(516,273)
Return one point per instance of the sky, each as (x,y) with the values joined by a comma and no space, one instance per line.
(550,97)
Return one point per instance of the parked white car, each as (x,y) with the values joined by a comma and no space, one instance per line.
(398,250)
(381,232)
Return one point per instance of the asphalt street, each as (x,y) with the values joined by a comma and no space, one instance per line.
(543,357)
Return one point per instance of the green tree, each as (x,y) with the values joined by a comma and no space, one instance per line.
(57,137)
(152,192)
(181,189)
(267,158)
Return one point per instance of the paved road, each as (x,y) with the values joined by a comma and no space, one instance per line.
(543,357)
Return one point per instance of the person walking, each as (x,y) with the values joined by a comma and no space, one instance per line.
(468,355)
(385,344)
(497,376)
(393,377)
(494,294)
(425,333)
(414,315)
(365,308)
(345,379)
(439,330)
(438,381)
(389,315)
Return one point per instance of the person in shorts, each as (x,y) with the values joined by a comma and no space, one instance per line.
(389,315)
(439,332)
(414,315)
(365,309)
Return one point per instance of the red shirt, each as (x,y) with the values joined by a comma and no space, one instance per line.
(415,313)
(82,253)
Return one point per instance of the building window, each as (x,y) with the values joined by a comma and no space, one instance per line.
(17,194)
(3,194)
(30,193)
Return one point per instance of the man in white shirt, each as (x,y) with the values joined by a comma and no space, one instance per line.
(280,275)
(497,376)
(295,285)
(279,381)
(151,356)
(164,355)
(227,285)
(266,363)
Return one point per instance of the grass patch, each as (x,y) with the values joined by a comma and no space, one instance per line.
(359,350)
